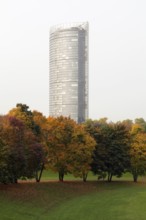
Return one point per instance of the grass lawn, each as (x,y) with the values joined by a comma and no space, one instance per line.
(49,175)
(73,200)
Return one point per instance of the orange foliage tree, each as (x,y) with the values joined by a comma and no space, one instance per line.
(69,150)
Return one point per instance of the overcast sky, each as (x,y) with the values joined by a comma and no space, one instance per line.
(117,51)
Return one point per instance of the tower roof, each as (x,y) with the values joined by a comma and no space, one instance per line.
(65,26)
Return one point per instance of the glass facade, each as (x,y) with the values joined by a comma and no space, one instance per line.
(68,86)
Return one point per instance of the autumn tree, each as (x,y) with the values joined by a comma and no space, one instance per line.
(138,151)
(35,155)
(141,123)
(35,123)
(81,151)
(60,132)
(4,154)
(22,112)
(41,122)
(128,124)
(69,147)
(12,137)
(21,155)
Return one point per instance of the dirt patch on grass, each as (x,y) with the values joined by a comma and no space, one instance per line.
(50,194)
(46,192)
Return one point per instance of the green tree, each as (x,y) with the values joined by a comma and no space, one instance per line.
(111,155)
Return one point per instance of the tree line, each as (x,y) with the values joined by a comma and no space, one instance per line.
(31,142)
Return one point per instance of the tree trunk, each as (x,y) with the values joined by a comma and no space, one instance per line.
(85,177)
(135,177)
(39,175)
(110,177)
(15,180)
(61,176)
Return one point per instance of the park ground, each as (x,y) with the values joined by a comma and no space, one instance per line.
(74,200)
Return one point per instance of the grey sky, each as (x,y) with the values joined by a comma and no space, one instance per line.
(117,64)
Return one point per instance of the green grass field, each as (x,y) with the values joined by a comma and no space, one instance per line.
(49,175)
(74,200)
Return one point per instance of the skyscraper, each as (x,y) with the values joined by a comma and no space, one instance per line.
(68,87)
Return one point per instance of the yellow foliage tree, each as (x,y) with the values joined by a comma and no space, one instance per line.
(138,155)
(69,147)
(81,151)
